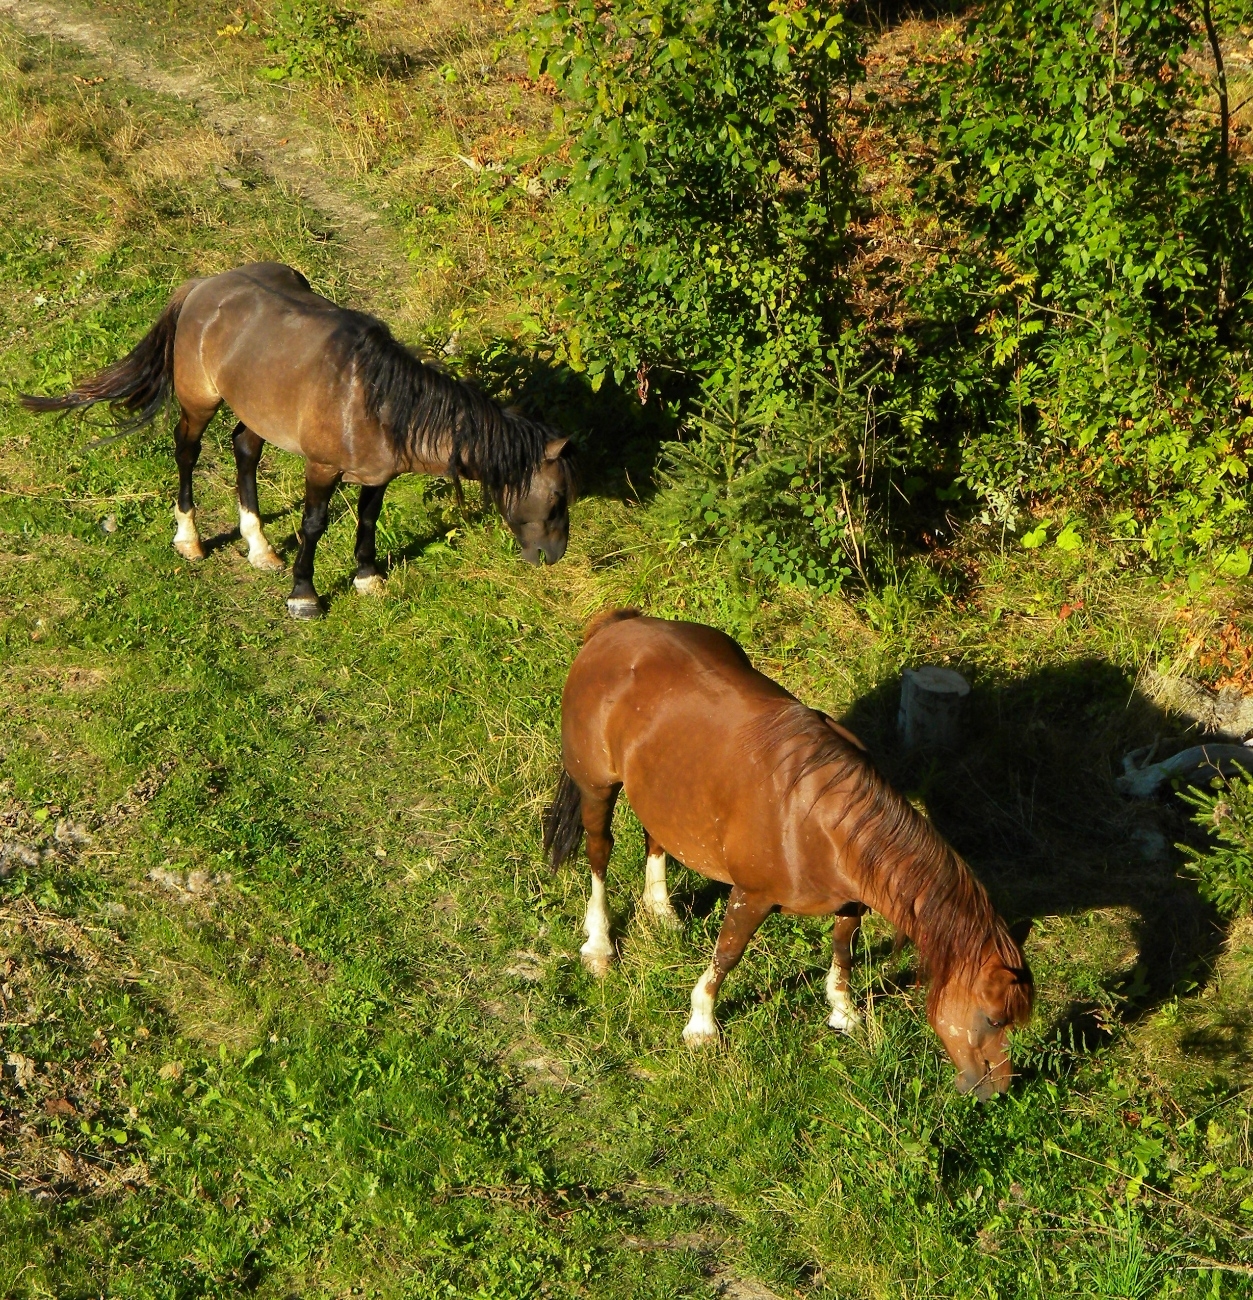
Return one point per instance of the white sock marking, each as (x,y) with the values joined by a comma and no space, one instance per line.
(844,1017)
(702,1028)
(371,586)
(656,896)
(597,951)
(261,555)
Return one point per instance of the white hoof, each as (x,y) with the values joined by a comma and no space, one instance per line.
(187,535)
(699,1033)
(371,586)
(596,959)
(270,561)
(662,915)
(843,1018)
(304,607)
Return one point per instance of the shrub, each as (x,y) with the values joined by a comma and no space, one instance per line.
(1224,871)
(315,41)
(795,497)
(706,196)
(1086,335)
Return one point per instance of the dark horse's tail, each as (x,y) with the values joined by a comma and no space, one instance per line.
(563,818)
(563,822)
(137,386)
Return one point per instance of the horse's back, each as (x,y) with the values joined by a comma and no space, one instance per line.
(672,712)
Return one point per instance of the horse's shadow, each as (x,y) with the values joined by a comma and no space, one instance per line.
(219,541)
(1029,800)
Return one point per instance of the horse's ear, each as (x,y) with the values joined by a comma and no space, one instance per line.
(1019,931)
(555,447)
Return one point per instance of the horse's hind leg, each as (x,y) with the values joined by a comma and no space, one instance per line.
(656,898)
(844,1015)
(191,425)
(247,445)
(597,817)
(368,580)
(320,481)
(745,912)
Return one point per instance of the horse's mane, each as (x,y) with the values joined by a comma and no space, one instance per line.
(899,854)
(418,404)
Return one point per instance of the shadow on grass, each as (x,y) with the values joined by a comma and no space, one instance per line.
(1029,801)
(618,438)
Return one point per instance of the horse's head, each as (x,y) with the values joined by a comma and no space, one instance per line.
(539,516)
(973,1013)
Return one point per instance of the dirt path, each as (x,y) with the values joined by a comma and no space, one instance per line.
(284,150)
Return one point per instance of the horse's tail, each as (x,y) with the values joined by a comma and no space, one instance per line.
(599,621)
(136,386)
(563,822)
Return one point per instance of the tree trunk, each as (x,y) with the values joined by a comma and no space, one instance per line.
(933,708)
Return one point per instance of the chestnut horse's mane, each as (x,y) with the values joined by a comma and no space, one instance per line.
(418,404)
(946,911)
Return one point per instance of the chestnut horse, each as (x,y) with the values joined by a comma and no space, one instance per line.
(741,782)
(335,387)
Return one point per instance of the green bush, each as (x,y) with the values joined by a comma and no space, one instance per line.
(1078,341)
(1224,871)
(315,41)
(795,496)
(1086,336)
(706,196)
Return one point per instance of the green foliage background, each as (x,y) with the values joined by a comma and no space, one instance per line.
(1080,343)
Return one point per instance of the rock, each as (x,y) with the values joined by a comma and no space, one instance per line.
(1227,712)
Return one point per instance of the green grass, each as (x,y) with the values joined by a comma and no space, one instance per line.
(304,1016)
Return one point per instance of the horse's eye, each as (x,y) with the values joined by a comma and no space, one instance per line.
(996,1024)
(554,514)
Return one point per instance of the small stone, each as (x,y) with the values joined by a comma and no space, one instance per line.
(109,524)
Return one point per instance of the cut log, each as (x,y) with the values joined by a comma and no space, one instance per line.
(933,708)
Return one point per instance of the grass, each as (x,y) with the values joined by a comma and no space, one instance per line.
(290,1005)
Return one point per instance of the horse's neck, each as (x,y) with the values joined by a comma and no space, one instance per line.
(433,457)
(897,894)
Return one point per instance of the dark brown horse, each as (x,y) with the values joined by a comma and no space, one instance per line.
(335,387)
(741,782)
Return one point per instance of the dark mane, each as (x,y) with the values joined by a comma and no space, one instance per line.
(418,404)
(940,904)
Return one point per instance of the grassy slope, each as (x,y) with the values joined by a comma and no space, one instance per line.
(306,1014)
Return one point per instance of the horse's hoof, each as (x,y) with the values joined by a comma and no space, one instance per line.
(700,1035)
(267,561)
(843,1023)
(371,586)
(304,607)
(597,962)
(666,918)
(189,550)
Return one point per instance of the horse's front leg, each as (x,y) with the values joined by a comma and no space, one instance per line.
(320,481)
(745,912)
(247,446)
(844,1015)
(368,580)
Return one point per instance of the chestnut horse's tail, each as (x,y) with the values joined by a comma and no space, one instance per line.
(136,386)
(563,822)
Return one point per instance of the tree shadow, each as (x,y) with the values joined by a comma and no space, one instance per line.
(617,437)
(1029,800)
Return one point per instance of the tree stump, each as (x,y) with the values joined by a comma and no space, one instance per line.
(933,708)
